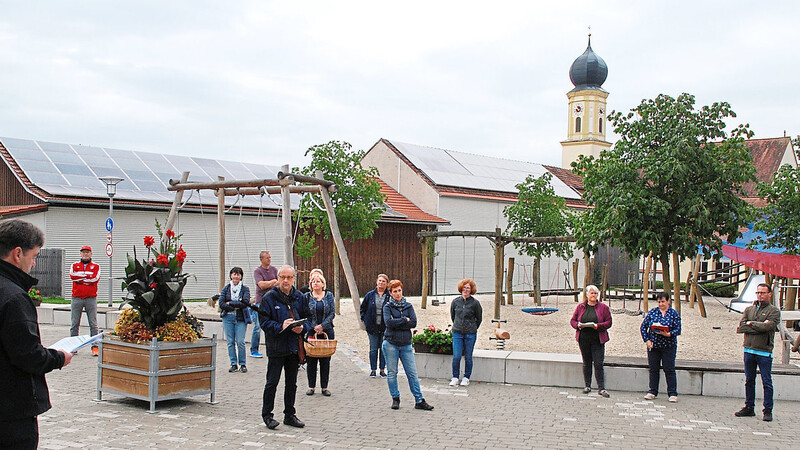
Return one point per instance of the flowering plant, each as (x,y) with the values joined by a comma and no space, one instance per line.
(439,341)
(155,284)
(35,295)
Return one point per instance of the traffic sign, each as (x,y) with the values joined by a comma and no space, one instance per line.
(109,224)
(108,237)
(109,249)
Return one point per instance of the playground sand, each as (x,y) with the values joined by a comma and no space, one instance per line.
(712,338)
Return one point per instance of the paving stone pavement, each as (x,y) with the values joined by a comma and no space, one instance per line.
(357,415)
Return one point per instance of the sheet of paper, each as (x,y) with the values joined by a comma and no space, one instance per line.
(73,343)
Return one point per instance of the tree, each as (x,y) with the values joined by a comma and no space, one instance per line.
(538,212)
(780,219)
(672,182)
(357,201)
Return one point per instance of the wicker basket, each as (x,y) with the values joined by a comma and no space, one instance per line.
(320,348)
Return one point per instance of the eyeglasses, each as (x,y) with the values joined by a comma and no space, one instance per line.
(285,277)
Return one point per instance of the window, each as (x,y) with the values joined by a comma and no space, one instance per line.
(577,124)
(600,125)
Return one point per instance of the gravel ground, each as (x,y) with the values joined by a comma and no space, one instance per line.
(712,338)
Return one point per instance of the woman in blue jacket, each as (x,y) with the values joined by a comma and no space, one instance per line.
(322,309)
(400,318)
(660,330)
(372,316)
(233,301)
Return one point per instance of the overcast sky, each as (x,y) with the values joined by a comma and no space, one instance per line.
(262,81)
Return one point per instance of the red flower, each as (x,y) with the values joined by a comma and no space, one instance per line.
(180,255)
(163,259)
(153,285)
(149,241)
(170,234)
(431,327)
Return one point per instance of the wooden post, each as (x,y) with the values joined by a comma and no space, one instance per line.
(791,299)
(646,282)
(695,275)
(676,287)
(173,211)
(426,242)
(221,221)
(699,296)
(575,278)
(286,213)
(510,282)
(604,282)
(337,239)
(499,249)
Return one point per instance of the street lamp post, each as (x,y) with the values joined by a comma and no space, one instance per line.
(111,190)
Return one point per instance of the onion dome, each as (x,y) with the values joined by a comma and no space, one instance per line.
(589,71)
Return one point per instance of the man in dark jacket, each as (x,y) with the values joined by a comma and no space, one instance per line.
(23,359)
(281,306)
(759,324)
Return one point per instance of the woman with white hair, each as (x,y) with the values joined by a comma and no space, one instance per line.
(591,321)
(321,306)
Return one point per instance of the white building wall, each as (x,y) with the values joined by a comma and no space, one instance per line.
(402,178)
(468,257)
(246,235)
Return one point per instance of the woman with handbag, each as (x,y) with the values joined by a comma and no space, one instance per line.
(321,306)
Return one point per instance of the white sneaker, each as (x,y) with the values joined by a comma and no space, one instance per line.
(674,399)
(465,381)
(649,396)
(454,382)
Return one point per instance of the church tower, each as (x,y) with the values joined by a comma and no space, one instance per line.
(586,117)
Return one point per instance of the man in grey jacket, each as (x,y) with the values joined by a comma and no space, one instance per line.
(759,324)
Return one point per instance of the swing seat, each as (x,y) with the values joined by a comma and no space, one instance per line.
(539,311)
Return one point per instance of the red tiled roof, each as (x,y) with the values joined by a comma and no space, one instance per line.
(9,211)
(566,176)
(767,155)
(399,203)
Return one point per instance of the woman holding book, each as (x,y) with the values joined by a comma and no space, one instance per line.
(591,321)
(660,330)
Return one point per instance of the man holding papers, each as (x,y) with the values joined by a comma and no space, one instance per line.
(23,359)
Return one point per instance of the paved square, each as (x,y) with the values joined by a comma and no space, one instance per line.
(357,415)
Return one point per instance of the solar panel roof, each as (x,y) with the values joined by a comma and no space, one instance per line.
(451,168)
(74,170)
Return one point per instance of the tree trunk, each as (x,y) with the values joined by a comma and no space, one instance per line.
(646,283)
(587,272)
(575,278)
(665,275)
(537,274)
(677,286)
(336,292)
(426,245)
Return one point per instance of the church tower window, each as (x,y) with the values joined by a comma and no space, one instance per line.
(577,124)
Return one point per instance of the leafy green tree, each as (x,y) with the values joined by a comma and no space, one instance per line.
(671,182)
(538,212)
(358,201)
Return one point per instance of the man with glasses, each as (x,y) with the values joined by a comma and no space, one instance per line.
(759,324)
(282,305)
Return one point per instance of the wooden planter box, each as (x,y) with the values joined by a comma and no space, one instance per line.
(159,371)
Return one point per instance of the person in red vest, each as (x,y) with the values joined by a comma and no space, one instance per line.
(85,275)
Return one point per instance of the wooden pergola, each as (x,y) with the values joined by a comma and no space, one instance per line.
(287,183)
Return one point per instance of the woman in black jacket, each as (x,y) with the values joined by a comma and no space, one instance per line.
(466,314)
(400,318)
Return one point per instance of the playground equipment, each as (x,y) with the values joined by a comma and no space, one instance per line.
(500,335)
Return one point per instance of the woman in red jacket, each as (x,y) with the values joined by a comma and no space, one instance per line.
(591,321)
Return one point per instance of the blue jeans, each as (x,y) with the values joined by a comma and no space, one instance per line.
(764,364)
(403,353)
(463,344)
(255,341)
(375,351)
(663,358)
(234,335)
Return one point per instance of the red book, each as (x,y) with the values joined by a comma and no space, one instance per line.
(658,327)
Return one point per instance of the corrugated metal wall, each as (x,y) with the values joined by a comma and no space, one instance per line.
(70,228)
(460,257)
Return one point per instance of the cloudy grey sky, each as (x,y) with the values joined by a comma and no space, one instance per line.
(263,80)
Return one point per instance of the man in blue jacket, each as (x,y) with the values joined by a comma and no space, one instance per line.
(23,359)
(282,305)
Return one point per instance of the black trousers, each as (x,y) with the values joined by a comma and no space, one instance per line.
(324,371)
(289,365)
(593,354)
(20,434)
